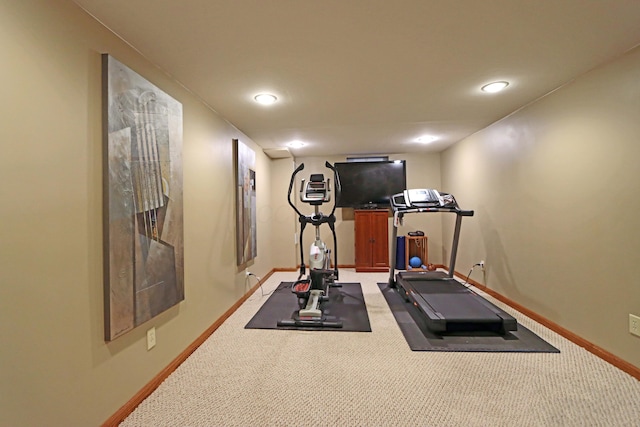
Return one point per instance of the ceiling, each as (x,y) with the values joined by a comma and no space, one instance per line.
(364,77)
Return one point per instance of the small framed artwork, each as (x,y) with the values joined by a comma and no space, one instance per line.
(246,242)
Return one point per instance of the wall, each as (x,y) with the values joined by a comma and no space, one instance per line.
(279,217)
(555,190)
(55,368)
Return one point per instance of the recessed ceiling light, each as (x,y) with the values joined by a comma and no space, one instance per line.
(265,98)
(425,139)
(494,87)
(296,144)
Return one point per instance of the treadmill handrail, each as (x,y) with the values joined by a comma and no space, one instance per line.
(457,211)
(397,215)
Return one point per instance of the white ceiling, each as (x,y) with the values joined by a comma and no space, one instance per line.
(357,77)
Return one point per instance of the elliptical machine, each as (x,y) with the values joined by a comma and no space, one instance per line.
(313,291)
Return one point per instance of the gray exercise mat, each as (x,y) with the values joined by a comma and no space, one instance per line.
(346,304)
(420,338)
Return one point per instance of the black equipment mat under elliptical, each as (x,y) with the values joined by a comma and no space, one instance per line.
(419,338)
(346,303)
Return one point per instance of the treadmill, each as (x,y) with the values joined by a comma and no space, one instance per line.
(447,305)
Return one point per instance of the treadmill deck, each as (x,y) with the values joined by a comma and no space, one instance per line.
(449,306)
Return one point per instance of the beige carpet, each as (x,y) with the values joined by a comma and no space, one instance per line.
(250,377)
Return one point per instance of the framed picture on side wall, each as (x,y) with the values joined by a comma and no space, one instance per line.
(246,242)
(143,217)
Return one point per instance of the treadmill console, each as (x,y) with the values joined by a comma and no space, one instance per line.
(422,198)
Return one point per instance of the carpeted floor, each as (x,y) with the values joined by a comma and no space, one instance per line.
(256,377)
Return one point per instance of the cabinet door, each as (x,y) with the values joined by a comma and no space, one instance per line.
(363,239)
(380,243)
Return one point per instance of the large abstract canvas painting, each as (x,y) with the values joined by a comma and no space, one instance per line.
(144,261)
(246,242)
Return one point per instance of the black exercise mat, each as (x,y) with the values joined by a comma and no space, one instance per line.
(346,304)
(420,338)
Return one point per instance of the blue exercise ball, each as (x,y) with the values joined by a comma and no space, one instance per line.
(415,262)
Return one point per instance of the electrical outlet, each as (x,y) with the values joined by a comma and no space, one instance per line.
(481,265)
(634,324)
(151,338)
(248,273)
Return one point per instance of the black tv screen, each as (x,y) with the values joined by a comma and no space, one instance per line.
(370,184)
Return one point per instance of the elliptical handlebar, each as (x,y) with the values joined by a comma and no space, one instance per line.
(293,177)
(336,185)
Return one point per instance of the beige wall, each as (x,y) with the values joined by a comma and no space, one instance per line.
(56,369)
(281,220)
(555,188)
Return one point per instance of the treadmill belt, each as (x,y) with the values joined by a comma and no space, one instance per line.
(449,306)
(453,300)
(441,286)
(459,307)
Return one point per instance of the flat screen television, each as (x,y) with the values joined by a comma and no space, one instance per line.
(370,184)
